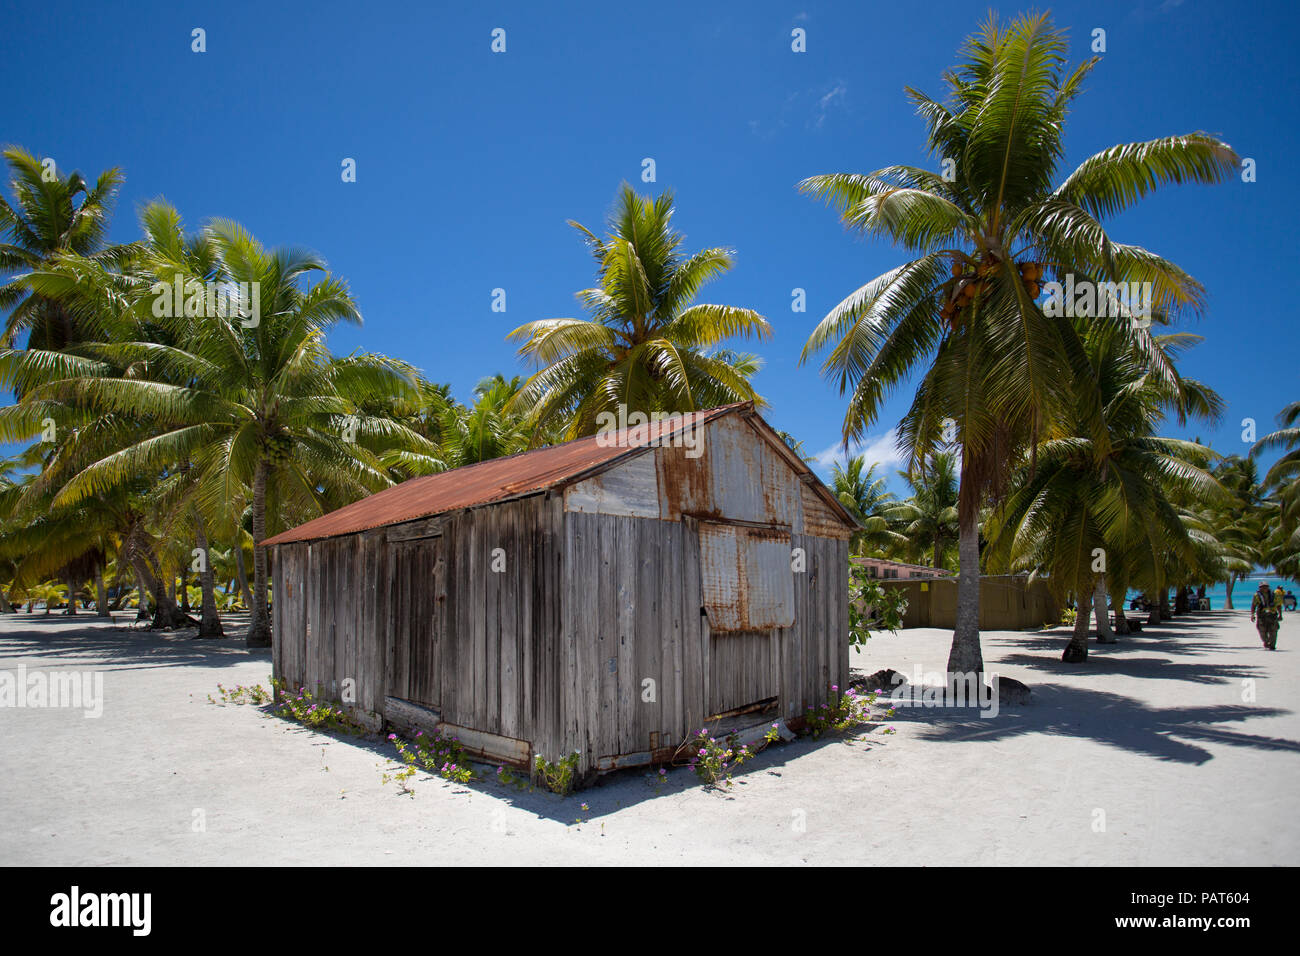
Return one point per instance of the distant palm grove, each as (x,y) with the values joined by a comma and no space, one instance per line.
(175,401)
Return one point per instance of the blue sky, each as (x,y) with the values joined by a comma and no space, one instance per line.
(470,162)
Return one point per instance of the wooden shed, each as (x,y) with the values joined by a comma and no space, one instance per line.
(609,596)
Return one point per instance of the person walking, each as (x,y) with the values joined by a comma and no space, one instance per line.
(1264,613)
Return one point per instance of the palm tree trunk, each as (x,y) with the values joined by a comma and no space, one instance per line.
(209,620)
(5,606)
(1227,603)
(72,597)
(142,603)
(183,592)
(243,577)
(1165,613)
(165,611)
(1104,633)
(101,594)
(1076,652)
(1121,621)
(259,624)
(966,656)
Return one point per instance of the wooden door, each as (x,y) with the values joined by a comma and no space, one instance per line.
(415,626)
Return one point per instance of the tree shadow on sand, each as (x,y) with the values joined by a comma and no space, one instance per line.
(1164,733)
(1153,668)
(1174,650)
(118,645)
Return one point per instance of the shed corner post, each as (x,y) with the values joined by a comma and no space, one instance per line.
(277,627)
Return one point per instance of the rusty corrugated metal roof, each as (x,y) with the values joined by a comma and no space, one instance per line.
(495,480)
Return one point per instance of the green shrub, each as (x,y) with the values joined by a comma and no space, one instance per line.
(558,777)
(239,694)
(871,604)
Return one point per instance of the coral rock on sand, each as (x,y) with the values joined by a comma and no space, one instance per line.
(1013,692)
(886,679)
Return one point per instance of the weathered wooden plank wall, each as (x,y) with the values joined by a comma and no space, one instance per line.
(632,612)
(499,670)
(324,619)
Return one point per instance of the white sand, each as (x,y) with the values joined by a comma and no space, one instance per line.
(1152,732)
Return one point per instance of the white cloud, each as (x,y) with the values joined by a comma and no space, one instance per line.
(879,450)
(808,108)
(827,100)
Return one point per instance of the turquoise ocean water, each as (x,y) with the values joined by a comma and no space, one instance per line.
(1241,591)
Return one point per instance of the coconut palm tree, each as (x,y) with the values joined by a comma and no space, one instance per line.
(488,428)
(648,345)
(927,518)
(118,304)
(864,496)
(421,409)
(985,231)
(51,215)
(1074,512)
(1283,478)
(248,405)
(1240,520)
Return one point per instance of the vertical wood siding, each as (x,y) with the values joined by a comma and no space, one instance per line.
(499,669)
(632,611)
(324,620)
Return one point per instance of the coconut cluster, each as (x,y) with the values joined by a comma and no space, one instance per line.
(966,284)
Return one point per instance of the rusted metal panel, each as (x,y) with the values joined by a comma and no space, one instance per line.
(736,476)
(819,519)
(642,758)
(808,479)
(630,489)
(744,472)
(685,485)
(747,578)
